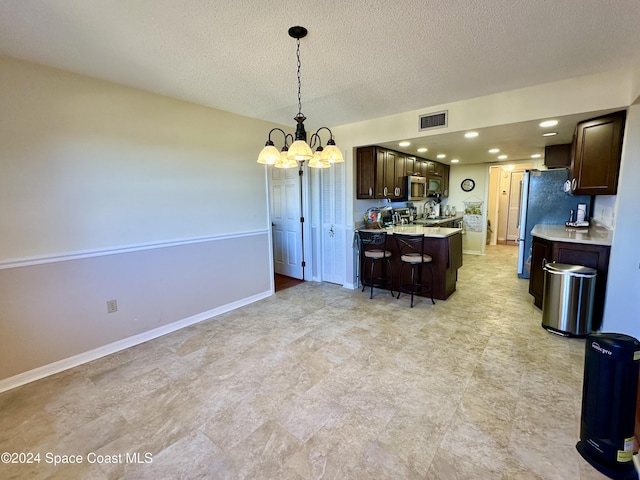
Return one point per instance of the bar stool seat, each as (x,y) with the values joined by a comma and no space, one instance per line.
(373,248)
(411,249)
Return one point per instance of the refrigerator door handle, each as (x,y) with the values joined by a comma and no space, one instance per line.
(520,205)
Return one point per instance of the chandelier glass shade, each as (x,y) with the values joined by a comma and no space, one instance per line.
(295,154)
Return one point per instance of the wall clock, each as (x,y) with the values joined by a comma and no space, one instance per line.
(467,185)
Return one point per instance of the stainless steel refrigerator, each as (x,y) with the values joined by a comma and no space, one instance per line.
(544,200)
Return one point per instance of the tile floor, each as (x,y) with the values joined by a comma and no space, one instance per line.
(320,382)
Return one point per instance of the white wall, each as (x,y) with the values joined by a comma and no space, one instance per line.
(110,192)
(622,303)
(604,209)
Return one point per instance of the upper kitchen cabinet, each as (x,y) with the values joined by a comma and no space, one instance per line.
(596,159)
(428,168)
(445,180)
(385,173)
(366,177)
(412,166)
(558,156)
(380,173)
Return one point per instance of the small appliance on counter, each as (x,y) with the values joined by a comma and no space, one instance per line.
(581,217)
(403,215)
(378,217)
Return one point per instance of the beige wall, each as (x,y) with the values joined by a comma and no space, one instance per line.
(110,192)
(88,164)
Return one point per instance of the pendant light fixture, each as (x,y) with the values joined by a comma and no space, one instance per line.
(299,151)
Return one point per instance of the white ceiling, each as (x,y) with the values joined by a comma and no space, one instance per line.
(362,59)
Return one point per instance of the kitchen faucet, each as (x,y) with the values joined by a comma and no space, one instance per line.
(429,204)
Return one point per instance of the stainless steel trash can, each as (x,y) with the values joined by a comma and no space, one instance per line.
(567,301)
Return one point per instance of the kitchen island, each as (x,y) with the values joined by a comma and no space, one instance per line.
(444,245)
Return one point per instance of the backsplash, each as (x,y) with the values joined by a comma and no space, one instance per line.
(604,210)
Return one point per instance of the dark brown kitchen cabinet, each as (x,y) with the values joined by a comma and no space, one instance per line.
(596,156)
(447,259)
(386,173)
(587,255)
(401,172)
(428,167)
(366,177)
(445,180)
(558,156)
(540,254)
(410,166)
(380,173)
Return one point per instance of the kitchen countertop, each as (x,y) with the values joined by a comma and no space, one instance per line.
(435,232)
(594,235)
(434,221)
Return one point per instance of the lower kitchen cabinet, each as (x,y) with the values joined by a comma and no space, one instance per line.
(587,255)
(447,259)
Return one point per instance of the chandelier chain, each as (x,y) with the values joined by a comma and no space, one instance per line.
(299,84)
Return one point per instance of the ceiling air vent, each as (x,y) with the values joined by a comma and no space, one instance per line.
(434,120)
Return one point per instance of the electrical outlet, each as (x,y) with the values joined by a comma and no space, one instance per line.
(112,306)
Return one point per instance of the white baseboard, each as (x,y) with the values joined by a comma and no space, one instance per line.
(67,363)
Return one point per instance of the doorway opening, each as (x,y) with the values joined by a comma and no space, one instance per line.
(503,209)
(282,282)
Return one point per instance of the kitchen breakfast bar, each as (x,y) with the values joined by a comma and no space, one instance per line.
(444,245)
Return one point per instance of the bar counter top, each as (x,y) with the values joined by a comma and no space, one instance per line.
(434,232)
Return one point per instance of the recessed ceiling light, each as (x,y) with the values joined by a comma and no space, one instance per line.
(471,134)
(494,150)
(404,144)
(549,134)
(502,157)
(548,123)
(454,160)
(441,155)
(422,149)
(536,155)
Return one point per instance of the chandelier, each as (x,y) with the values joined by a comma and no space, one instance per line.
(299,151)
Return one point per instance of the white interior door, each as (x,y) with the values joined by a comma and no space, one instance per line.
(515,194)
(285,220)
(333,230)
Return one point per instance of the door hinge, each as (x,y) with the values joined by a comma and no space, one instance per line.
(304,264)
(301,219)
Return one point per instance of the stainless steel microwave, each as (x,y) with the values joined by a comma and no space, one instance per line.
(416,188)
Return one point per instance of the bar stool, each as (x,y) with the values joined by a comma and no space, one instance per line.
(411,251)
(373,247)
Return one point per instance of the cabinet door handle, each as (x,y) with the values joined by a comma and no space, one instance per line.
(574,183)
(385,191)
(370,192)
(544,263)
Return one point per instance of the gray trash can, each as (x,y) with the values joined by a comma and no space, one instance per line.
(567,302)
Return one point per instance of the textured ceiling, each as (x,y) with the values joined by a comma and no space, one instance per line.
(361,59)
